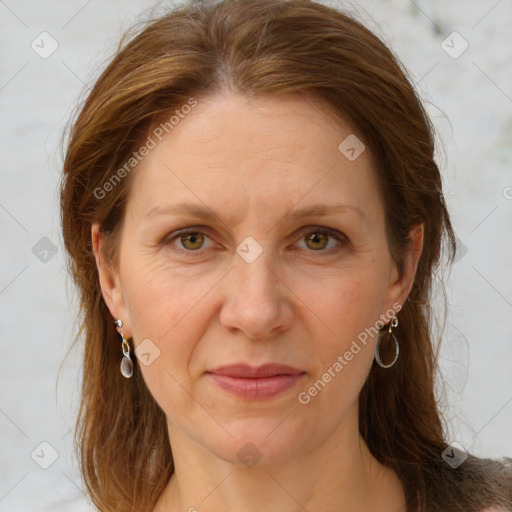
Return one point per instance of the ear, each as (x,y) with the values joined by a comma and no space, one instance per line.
(400,287)
(109,280)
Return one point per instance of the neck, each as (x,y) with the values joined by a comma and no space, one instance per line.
(339,475)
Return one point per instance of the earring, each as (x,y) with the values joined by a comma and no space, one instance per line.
(126,361)
(392,325)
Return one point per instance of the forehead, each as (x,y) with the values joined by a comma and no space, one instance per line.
(232,152)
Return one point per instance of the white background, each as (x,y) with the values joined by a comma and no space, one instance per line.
(470,101)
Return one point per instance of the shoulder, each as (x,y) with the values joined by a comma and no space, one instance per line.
(500,470)
(476,485)
(496,474)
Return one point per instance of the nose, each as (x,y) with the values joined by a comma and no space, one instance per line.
(258,303)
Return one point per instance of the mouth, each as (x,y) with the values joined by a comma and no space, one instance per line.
(256,383)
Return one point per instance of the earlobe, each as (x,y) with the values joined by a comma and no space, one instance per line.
(108,277)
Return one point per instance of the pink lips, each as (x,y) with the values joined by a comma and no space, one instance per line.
(260,382)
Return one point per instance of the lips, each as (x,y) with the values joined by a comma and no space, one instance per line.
(255,383)
(247,371)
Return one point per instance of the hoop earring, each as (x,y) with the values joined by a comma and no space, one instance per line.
(126,361)
(392,325)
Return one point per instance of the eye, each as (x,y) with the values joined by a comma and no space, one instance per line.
(190,240)
(317,239)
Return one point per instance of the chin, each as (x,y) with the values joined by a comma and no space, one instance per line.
(261,441)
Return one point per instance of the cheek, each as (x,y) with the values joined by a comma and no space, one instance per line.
(349,303)
(168,313)
(350,312)
(160,297)
(347,329)
(163,338)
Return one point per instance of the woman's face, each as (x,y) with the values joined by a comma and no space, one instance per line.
(286,262)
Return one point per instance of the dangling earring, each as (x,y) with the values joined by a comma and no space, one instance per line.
(392,325)
(126,361)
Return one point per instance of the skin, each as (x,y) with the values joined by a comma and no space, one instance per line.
(255,163)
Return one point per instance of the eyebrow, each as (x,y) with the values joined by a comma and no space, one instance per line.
(203,212)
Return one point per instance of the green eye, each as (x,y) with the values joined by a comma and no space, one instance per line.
(317,240)
(192,240)
(323,240)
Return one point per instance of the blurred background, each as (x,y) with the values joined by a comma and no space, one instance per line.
(459,55)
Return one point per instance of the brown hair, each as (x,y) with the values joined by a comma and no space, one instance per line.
(260,48)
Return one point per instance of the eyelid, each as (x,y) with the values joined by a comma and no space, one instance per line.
(306,230)
(323,229)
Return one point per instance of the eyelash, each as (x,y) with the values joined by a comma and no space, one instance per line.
(337,235)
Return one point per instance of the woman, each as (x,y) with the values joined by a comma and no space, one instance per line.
(254,218)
